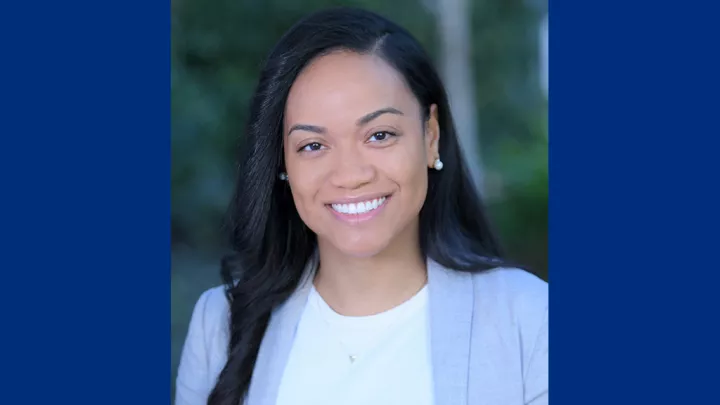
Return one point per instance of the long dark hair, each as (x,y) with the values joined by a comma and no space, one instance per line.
(271,243)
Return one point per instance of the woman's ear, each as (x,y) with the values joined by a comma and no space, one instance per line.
(432,136)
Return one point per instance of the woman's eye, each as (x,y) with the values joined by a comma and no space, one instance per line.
(311,147)
(381,136)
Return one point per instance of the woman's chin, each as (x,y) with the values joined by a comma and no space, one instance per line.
(360,249)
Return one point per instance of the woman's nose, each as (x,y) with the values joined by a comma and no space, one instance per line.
(352,170)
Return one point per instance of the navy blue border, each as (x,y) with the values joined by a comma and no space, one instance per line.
(85,202)
(633,209)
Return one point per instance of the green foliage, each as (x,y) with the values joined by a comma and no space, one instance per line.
(521,209)
(505,58)
(522,219)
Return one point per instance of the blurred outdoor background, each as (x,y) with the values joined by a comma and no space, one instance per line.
(492,54)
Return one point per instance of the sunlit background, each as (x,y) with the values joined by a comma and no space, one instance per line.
(491,53)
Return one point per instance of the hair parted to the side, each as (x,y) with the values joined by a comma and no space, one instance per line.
(271,243)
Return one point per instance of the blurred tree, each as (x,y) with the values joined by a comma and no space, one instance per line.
(454,26)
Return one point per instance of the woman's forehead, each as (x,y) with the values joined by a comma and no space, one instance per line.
(345,83)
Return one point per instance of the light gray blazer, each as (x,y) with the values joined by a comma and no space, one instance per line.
(489,341)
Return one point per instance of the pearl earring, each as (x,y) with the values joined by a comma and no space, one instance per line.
(283,176)
(438,165)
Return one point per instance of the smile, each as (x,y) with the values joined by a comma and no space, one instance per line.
(358,208)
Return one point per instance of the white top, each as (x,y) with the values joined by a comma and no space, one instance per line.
(382,359)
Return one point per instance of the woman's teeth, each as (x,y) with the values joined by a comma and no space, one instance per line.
(359,208)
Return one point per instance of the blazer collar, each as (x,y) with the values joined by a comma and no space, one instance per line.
(451,311)
(276,344)
(451,308)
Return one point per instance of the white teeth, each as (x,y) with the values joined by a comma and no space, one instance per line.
(359,208)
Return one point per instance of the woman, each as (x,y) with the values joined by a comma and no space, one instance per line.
(364,269)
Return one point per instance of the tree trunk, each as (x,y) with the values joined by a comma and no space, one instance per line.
(454,26)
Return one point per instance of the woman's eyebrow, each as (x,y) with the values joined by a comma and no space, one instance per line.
(310,128)
(369,117)
(364,120)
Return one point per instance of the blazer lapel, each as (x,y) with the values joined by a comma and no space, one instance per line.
(277,343)
(451,310)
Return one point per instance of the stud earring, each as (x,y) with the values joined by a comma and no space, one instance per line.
(438,165)
(283,176)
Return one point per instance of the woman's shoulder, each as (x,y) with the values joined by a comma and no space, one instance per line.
(515,303)
(204,351)
(514,295)
(509,321)
(211,314)
(213,300)
(517,285)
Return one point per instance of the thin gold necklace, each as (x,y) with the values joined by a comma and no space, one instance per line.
(352,357)
(348,352)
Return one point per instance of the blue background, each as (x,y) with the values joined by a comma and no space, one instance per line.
(85,165)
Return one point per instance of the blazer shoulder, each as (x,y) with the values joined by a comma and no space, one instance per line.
(203,352)
(518,300)
(214,311)
(518,287)
(513,295)
(214,300)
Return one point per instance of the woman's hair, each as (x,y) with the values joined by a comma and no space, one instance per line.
(271,243)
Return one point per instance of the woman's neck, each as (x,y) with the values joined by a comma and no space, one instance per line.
(367,286)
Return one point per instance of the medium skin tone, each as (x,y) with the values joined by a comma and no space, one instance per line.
(354,132)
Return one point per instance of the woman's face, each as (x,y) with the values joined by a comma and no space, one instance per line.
(357,153)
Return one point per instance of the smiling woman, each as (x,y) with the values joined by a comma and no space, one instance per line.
(364,269)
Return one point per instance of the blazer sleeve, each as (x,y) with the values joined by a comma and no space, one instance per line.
(194,378)
(536,374)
